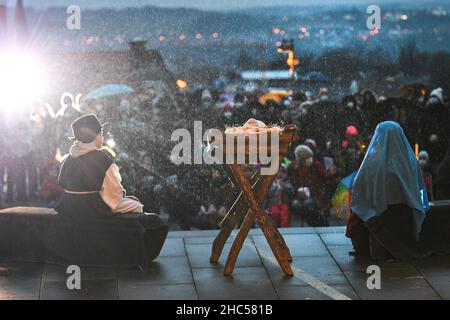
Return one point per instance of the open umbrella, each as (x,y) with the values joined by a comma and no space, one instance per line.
(276,96)
(415,91)
(342,197)
(108,90)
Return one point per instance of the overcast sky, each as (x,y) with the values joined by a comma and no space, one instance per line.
(203,4)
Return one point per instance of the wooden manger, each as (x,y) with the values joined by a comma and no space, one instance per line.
(248,205)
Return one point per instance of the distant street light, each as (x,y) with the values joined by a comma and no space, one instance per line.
(182,84)
(287,46)
(291,62)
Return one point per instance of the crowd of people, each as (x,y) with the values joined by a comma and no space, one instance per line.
(333,138)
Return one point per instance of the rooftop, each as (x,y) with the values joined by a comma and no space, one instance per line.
(321,262)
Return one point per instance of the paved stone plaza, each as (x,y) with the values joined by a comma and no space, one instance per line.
(322,265)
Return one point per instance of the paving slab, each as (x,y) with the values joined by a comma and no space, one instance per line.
(309,293)
(199,256)
(392,289)
(324,269)
(300,245)
(335,239)
(173,247)
(143,291)
(245,283)
(434,265)
(210,240)
(164,270)
(440,284)
(321,230)
(53,272)
(20,280)
(90,290)
(346,261)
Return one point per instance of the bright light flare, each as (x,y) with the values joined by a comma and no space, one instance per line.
(22,81)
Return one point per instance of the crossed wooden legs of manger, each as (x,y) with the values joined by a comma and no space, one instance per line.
(248,207)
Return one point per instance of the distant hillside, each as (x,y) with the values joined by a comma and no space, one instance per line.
(200,37)
(343,5)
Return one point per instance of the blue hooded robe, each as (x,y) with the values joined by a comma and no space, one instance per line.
(390,174)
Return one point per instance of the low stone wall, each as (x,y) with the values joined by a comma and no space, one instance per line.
(41,235)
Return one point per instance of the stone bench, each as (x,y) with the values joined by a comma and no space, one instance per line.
(392,234)
(42,235)
(436,227)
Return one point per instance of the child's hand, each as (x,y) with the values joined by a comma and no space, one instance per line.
(132,197)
